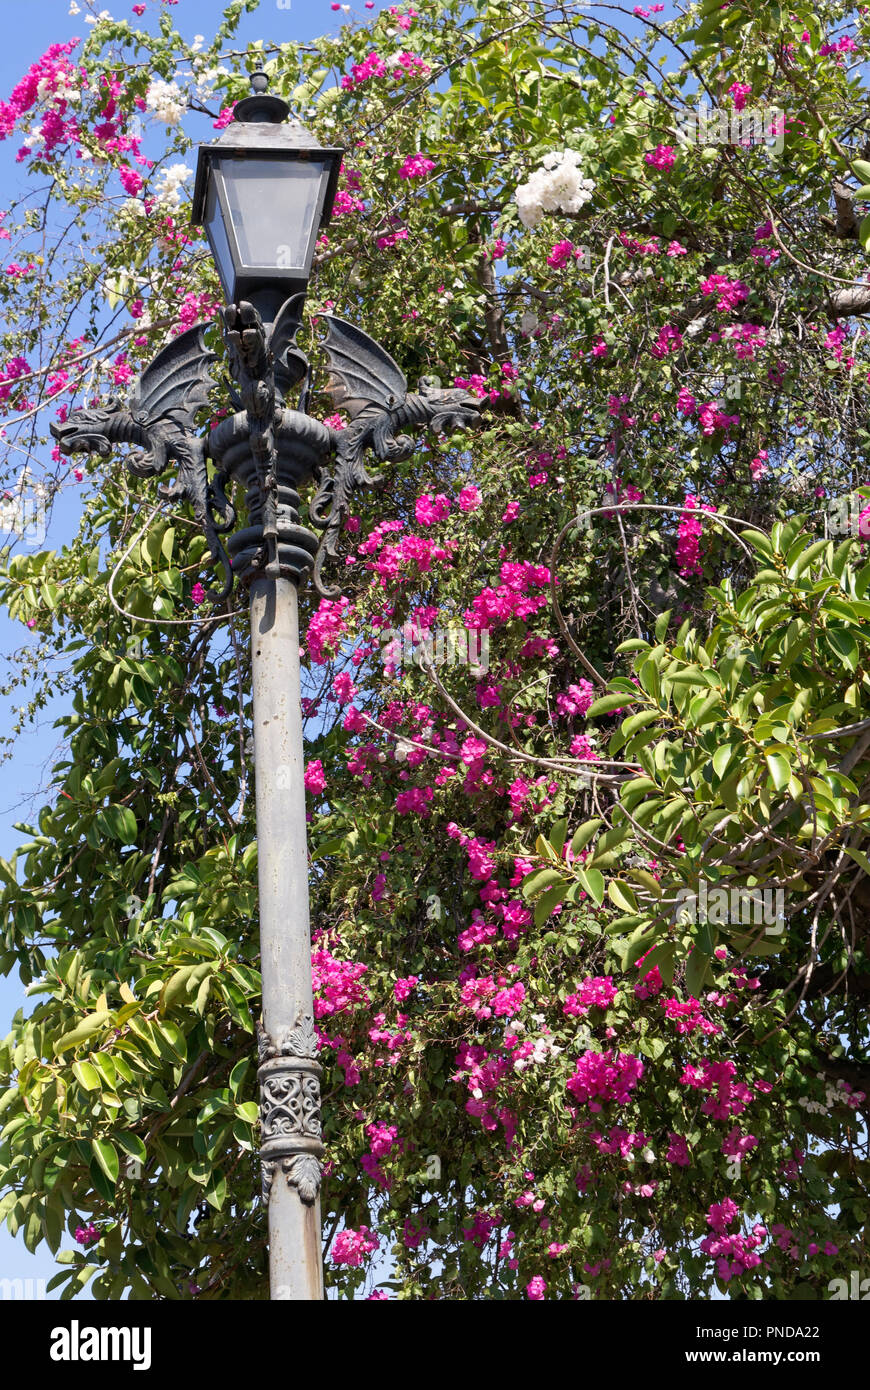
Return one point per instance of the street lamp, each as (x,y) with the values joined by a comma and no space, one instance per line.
(263,190)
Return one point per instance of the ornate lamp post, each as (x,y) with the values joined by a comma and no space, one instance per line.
(263,190)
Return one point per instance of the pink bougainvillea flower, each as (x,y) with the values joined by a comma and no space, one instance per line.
(315,778)
(662,157)
(416,166)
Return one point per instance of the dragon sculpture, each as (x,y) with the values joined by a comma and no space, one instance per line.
(160,420)
(365,382)
(266,365)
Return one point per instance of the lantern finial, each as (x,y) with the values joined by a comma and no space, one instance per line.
(261,106)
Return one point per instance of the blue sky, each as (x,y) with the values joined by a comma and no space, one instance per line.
(28,30)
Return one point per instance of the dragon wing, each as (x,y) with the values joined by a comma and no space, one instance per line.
(291,363)
(176,384)
(361,372)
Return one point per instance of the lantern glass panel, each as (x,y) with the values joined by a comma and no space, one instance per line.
(273,206)
(217,235)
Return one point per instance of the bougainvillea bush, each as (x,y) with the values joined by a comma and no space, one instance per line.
(588,665)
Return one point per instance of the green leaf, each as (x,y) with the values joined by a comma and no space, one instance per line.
(608,703)
(238,1074)
(131,1144)
(621,894)
(697,969)
(106,1155)
(119,823)
(845,646)
(723,758)
(582,836)
(805,559)
(859,857)
(216,1191)
(558,835)
(638,944)
(175,988)
(548,902)
(759,541)
(86,1075)
(779,768)
(540,879)
(645,878)
(592,881)
(639,721)
(84,1030)
(662,956)
(106,1068)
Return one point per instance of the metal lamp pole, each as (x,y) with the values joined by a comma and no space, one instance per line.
(261,178)
(289,1077)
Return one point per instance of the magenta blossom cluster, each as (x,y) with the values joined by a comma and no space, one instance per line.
(662,157)
(688,1016)
(49,75)
(371,66)
(689,534)
(315,778)
(619,1141)
(562,253)
(428,511)
(734,1254)
(326,628)
(337,987)
(725,1096)
(576,699)
(512,599)
(603,1076)
(597,991)
(739,91)
(729,293)
(416,166)
(350,1247)
(490,997)
(678,1151)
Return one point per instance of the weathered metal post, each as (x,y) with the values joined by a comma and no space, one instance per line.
(289,1072)
(271,451)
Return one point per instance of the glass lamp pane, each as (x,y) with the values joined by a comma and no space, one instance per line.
(217,236)
(273,205)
